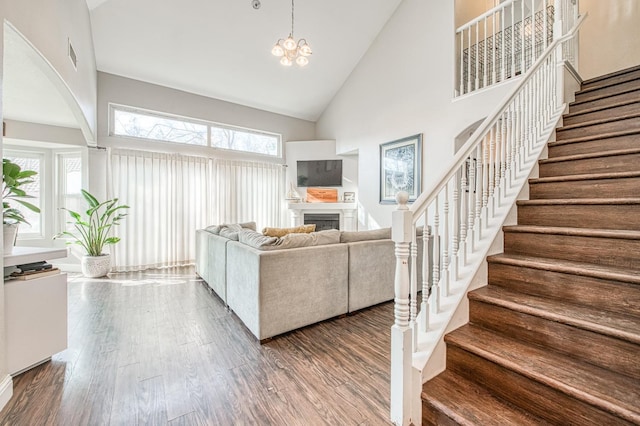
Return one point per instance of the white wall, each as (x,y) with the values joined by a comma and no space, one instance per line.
(48,25)
(402,86)
(320,150)
(610,37)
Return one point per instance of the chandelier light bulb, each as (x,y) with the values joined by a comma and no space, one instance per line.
(290,43)
(302,61)
(277,50)
(305,49)
(286,61)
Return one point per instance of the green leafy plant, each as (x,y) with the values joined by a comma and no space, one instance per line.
(93,230)
(13,177)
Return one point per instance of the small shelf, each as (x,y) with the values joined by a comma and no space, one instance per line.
(22,255)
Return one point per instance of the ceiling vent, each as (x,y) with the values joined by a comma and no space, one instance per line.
(72,55)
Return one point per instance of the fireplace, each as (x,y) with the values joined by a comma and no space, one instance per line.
(323,221)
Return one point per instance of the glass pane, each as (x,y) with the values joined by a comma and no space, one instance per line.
(138,125)
(72,169)
(244,141)
(29,163)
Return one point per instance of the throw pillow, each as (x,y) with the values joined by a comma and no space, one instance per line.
(374,234)
(230,231)
(215,229)
(255,239)
(330,236)
(281,232)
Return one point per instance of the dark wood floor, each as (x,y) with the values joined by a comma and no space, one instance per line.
(158,348)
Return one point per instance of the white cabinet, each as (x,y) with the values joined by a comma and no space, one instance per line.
(35,312)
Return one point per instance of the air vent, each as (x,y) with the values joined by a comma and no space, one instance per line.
(72,55)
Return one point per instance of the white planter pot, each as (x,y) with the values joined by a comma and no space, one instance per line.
(96,266)
(10,232)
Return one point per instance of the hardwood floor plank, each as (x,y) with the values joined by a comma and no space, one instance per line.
(157,348)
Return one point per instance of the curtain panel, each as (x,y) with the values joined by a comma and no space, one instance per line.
(172,195)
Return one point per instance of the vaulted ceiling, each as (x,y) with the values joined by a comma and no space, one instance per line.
(222,48)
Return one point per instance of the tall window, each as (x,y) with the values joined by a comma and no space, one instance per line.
(145,124)
(69,167)
(30,161)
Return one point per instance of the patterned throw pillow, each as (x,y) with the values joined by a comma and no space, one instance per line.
(281,232)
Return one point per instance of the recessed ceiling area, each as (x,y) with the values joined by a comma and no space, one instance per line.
(28,94)
(222,48)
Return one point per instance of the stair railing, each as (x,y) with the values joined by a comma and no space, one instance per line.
(461,215)
(505,41)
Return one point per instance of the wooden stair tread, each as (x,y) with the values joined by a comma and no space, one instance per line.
(468,403)
(590,176)
(623,91)
(579,232)
(598,121)
(624,327)
(601,388)
(602,154)
(610,82)
(569,267)
(601,108)
(611,75)
(578,201)
(594,137)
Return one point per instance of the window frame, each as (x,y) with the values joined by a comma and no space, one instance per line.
(42,157)
(209,124)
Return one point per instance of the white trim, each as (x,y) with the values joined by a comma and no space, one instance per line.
(6,391)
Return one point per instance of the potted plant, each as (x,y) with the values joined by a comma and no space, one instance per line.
(13,178)
(93,233)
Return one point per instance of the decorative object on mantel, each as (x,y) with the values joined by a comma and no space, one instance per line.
(349,197)
(13,177)
(400,164)
(322,195)
(289,50)
(93,233)
(292,194)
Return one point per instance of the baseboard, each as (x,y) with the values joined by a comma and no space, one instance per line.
(6,391)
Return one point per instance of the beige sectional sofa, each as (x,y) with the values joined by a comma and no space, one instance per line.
(281,284)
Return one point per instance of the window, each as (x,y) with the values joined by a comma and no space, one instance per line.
(139,123)
(69,184)
(30,161)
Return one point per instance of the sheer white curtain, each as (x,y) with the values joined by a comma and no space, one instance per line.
(246,191)
(172,195)
(169,199)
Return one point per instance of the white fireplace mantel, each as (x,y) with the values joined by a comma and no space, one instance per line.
(347,212)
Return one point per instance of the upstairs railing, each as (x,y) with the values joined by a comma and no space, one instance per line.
(462,214)
(505,41)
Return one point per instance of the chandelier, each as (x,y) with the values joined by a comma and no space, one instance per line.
(290,51)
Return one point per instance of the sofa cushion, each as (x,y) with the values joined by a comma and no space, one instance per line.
(329,236)
(255,239)
(215,229)
(281,232)
(374,234)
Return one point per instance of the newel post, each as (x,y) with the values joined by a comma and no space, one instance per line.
(401,332)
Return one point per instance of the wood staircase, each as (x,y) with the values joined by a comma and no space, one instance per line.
(555,336)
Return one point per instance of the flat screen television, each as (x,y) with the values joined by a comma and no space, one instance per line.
(320,173)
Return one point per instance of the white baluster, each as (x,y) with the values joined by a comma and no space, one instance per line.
(426,285)
(486,55)
(477,80)
(413,295)
(455,240)
(469,62)
(471,204)
(502,46)
(493,50)
(522,43)
(435,290)
(446,259)
(479,190)
(491,166)
(464,184)
(462,62)
(513,42)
